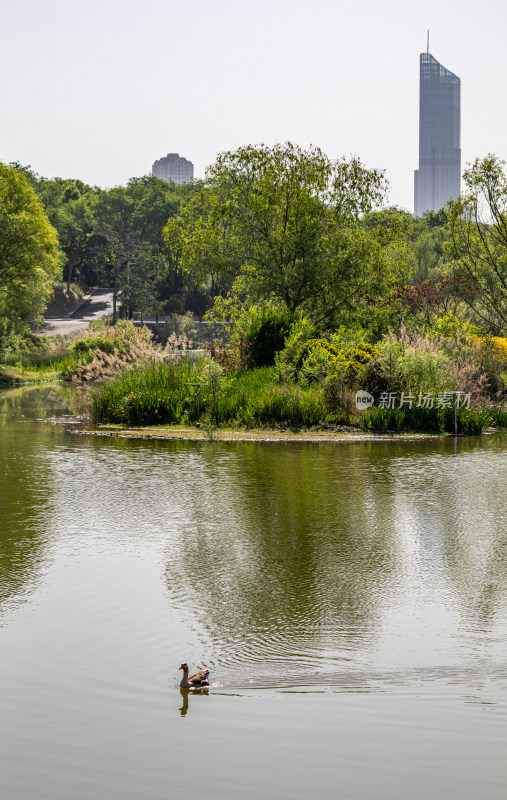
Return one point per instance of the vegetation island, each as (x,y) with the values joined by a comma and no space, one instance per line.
(276,290)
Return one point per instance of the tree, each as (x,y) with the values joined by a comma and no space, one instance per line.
(68,204)
(102,231)
(118,242)
(30,257)
(286,224)
(478,221)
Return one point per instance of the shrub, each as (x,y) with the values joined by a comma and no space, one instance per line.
(181,325)
(91,344)
(28,351)
(413,363)
(490,354)
(325,358)
(264,329)
(290,360)
(497,416)
(471,421)
(111,350)
(422,363)
(16,345)
(317,364)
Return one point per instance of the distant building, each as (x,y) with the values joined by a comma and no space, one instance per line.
(439,175)
(173,167)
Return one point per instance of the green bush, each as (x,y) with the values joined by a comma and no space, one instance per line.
(263,329)
(310,360)
(28,351)
(317,365)
(415,364)
(290,360)
(16,345)
(90,344)
(471,421)
(497,416)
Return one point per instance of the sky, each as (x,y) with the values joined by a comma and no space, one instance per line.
(99,90)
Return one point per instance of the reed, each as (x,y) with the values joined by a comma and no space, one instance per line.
(162,393)
(471,421)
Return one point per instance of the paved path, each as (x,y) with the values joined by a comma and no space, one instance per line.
(98,304)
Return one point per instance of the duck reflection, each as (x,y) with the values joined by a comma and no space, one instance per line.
(184,696)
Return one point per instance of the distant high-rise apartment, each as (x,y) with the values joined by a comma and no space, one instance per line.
(439,175)
(173,167)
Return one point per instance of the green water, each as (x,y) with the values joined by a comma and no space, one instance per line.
(349,599)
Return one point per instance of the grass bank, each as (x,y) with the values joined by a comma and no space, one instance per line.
(167,394)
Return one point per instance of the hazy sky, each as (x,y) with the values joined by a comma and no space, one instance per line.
(99,90)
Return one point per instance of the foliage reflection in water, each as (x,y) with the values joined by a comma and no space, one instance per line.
(362,575)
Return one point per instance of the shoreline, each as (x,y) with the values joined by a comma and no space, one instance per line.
(340,434)
(254,435)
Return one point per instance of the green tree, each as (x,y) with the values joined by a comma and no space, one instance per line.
(428,236)
(133,255)
(118,241)
(68,204)
(74,222)
(285,224)
(101,231)
(478,221)
(30,257)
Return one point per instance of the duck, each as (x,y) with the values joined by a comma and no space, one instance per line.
(195,681)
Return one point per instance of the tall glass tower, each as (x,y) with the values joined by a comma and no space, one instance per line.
(439,175)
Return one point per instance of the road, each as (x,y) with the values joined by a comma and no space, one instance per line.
(98,304)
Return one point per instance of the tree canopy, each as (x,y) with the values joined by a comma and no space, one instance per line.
(286,224)
(115,236)
(478,222)
(30,257)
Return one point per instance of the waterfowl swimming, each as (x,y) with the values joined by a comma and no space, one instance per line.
(194,681)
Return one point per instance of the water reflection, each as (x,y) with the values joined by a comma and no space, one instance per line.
(25,491)
(285,564)
(296,561)
(335,570)
(185,694)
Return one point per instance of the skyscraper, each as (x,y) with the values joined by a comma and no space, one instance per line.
(173,167)
(439,175)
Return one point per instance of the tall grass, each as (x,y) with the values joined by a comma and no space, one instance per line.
(428,420)
(42,361)
(157,394)
(161,394)
(259,400)
(471,421)
(497,416)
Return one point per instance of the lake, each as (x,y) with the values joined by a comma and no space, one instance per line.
(350,600)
